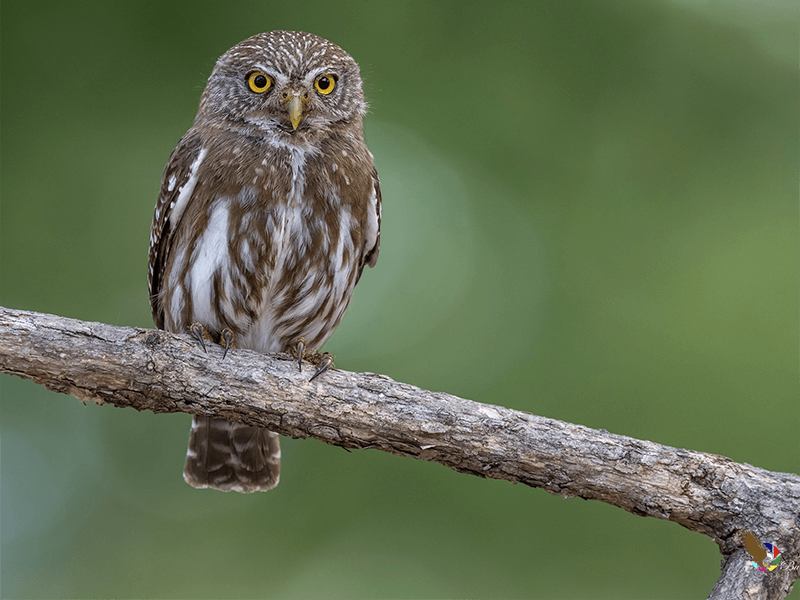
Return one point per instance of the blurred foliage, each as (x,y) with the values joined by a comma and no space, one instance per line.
(590,213)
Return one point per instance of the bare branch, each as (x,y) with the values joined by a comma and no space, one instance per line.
(158,371)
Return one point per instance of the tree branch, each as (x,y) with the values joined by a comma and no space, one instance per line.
(158,371)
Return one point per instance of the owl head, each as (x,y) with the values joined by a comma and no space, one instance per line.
(287,85)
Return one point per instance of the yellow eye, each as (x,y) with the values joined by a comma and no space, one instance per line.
(325,84)
(258,82)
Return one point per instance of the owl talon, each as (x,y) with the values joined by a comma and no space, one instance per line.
(196,329)
(301,347)
(226,339)
(324,364)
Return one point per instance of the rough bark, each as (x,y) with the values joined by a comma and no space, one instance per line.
(161,372)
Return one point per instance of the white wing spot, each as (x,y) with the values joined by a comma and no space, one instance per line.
(185,191)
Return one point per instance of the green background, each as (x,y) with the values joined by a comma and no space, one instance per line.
(590,213)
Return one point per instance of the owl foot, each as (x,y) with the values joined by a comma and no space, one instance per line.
(226,339)
(325,361)
(199,332)
(202,335)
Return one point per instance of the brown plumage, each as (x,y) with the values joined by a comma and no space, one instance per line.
(269,209)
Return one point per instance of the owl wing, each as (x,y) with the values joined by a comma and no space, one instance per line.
(372,237)
(177,185)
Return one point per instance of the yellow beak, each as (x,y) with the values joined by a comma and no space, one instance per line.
(295,108)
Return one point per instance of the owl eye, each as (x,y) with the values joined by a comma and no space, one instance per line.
(258,82)
(325,84)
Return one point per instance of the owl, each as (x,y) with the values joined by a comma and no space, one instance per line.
(269,209)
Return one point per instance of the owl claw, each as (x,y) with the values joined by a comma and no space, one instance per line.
(196,329)
(324,364)
(226,339)
(301,347)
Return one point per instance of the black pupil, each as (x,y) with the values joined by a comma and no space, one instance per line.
(260,81)
(324,83)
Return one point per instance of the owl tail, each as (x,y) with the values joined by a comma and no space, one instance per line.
(232,457)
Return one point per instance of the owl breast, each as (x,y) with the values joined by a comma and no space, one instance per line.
(274,256)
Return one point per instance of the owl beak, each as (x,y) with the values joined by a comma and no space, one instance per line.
(294,105)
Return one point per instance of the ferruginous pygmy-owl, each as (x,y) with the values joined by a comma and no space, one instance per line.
(269,209)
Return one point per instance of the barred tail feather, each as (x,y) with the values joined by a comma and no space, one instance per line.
(232,457)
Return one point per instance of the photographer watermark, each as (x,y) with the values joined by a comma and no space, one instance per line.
(764,556)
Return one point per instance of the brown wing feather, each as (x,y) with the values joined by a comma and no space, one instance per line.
(176,174)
